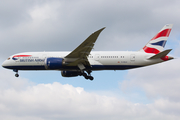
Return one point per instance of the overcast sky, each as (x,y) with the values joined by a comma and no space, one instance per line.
(61,25)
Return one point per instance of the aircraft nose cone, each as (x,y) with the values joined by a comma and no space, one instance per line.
(4,64)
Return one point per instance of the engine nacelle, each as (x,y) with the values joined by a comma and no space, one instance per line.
(70,73)
(53,63)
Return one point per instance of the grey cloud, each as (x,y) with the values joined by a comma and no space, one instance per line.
(63,25)
(13,13)
(160,80)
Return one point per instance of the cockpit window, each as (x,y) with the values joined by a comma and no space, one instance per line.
(8,59)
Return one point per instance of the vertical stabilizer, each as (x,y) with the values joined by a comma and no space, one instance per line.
(157,43)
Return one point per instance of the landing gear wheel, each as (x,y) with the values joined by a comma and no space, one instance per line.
(17,75)
(15,70)
(91,78)
(84,74)
(87,76)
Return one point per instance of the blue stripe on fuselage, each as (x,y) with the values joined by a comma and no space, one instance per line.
(25,67)
(94,67)
(114,67)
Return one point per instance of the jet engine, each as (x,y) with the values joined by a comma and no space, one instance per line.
(70,73)
(53,63)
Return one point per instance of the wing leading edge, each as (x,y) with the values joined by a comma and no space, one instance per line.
(83,50)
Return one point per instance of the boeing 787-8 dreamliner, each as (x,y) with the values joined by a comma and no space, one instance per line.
(82,61)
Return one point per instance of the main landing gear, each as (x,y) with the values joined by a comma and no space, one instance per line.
(16,75)
(87,76)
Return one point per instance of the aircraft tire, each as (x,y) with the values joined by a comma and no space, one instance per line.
(86,77)
(16,75)
(91,78)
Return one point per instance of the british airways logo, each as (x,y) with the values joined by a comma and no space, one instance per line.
(18,56)
(27,58)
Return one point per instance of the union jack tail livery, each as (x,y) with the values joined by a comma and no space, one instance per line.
(157,43)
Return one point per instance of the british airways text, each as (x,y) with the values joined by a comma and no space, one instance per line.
(31,60)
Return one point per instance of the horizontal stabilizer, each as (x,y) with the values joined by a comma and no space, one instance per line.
(161,54)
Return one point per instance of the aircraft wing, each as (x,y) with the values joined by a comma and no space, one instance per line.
(83,50)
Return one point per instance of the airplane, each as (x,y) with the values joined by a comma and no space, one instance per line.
(82,60)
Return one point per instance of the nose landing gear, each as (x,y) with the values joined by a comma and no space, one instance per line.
(15,70)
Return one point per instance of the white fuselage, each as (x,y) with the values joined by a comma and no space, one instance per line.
(101,60)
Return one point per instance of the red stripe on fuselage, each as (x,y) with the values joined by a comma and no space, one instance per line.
(151,50)
(22,56)
(164,33)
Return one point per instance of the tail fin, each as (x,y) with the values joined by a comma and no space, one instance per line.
(157,43)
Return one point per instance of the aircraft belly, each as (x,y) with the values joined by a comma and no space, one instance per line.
(26,67)
(113,64)
(114,67)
